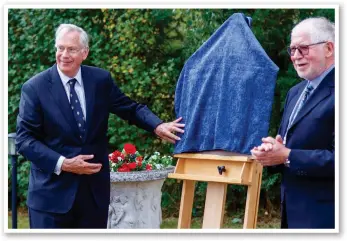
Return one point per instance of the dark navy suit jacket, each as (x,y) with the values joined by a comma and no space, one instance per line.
(308,184)
(46,129)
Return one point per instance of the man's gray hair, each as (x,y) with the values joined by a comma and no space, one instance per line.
(66,28)
(319,28)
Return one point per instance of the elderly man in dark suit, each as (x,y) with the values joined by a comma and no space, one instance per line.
(61,128)
(304,148)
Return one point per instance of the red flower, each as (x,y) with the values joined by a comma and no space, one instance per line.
(129,148)
(124,168)
(132,165)
(128,160)
(139,158)
(112,158)
(117,153)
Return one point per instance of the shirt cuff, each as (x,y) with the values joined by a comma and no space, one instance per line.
(57,169)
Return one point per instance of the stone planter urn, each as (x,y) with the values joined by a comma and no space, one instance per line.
(135,200)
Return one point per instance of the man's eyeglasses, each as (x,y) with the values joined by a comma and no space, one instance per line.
(70,50)
(303,49)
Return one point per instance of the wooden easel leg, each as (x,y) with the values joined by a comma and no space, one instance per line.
(214,205)
(253,193)
(186,206)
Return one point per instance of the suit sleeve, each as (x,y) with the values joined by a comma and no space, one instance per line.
(313,163)
(127,109)
(30,134)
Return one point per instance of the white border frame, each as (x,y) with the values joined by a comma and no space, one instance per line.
(211,6)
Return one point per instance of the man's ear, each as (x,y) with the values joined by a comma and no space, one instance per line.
(85,53)
(329,49)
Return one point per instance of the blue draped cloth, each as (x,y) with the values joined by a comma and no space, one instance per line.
(225,91)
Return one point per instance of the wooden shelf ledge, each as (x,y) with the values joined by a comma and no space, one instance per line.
(209,179)
(241,158)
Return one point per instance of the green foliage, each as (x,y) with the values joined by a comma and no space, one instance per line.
(158,161)
(171,197)
(145,50)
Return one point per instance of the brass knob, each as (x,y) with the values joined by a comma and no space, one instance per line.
(221,169)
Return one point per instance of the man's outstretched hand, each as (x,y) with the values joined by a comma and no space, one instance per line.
(166,131)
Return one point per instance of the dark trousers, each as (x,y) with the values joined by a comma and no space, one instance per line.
(83,214)
(284,220)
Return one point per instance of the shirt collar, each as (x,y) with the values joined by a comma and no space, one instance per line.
(66,79)
(315,82)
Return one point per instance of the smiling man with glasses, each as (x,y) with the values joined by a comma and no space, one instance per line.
(62,130)
(304,149)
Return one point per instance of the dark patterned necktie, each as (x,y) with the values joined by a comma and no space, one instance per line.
(76,108)
(298,107)
(307,92)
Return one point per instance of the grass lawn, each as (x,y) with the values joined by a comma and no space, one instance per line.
(265,221)
(235,222)
(22,219)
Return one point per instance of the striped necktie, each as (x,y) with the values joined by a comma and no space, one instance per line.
(77,109)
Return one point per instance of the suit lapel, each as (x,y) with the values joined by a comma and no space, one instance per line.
(89,91)
(323,91)
(291,106)
(59,95)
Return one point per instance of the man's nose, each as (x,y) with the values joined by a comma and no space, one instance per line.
(65,53)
